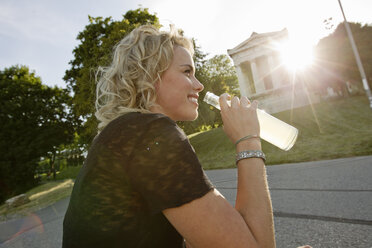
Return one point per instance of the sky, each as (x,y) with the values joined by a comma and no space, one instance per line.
(42,33)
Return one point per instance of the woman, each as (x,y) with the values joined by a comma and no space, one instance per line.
(142,184)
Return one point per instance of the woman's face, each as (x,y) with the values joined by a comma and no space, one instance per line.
(178,92)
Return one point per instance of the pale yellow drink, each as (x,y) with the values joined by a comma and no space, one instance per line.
(272,130)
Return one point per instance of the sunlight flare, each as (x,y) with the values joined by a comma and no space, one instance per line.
(295,55)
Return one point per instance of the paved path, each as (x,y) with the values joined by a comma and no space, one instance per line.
(324,204)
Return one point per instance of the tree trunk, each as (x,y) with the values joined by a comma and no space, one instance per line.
(53,169)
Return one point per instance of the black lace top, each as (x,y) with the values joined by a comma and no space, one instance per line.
(139,165)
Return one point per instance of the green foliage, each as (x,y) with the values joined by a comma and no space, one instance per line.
(95,49)
(34,120)
(218,75)
(335,58)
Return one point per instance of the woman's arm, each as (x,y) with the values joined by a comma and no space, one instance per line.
(254,205)
(253,199)
(211,221)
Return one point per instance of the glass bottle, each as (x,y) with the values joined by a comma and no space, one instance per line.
(272,130)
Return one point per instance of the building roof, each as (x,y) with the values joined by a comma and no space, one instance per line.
(258,39)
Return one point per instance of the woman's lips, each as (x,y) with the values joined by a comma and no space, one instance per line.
(193,98)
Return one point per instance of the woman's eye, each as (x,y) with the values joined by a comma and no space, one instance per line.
(188,72)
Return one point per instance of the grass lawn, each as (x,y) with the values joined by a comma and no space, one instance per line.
(44,194)
(327,130)
(40,197)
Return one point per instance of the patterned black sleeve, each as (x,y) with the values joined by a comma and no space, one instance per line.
(164,168)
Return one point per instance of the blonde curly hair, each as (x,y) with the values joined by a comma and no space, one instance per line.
(139,60)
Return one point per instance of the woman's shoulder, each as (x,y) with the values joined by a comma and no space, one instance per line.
(142,119)
(136,122)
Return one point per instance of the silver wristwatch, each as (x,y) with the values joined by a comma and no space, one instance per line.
(250,154)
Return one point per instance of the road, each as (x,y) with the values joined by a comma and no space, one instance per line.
(323,204)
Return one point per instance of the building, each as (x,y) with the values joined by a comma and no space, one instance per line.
(263,77)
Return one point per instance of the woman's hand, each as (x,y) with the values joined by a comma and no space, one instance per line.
(239,119)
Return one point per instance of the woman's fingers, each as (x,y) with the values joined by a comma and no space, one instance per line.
(235,102)
(244,101)
(254,104)
(223,101)
(240,119)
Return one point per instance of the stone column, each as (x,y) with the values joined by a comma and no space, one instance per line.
(244,88)
(273,68)
(256,78)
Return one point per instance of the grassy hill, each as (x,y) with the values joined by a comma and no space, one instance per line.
(327,130)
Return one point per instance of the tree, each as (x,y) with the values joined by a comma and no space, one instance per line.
(34,120)
(336,61)
(95,49)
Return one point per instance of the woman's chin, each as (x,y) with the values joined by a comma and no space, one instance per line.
(192,117)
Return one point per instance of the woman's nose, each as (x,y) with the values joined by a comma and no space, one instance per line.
(197,85)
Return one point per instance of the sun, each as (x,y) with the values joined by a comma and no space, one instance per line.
(295,55)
